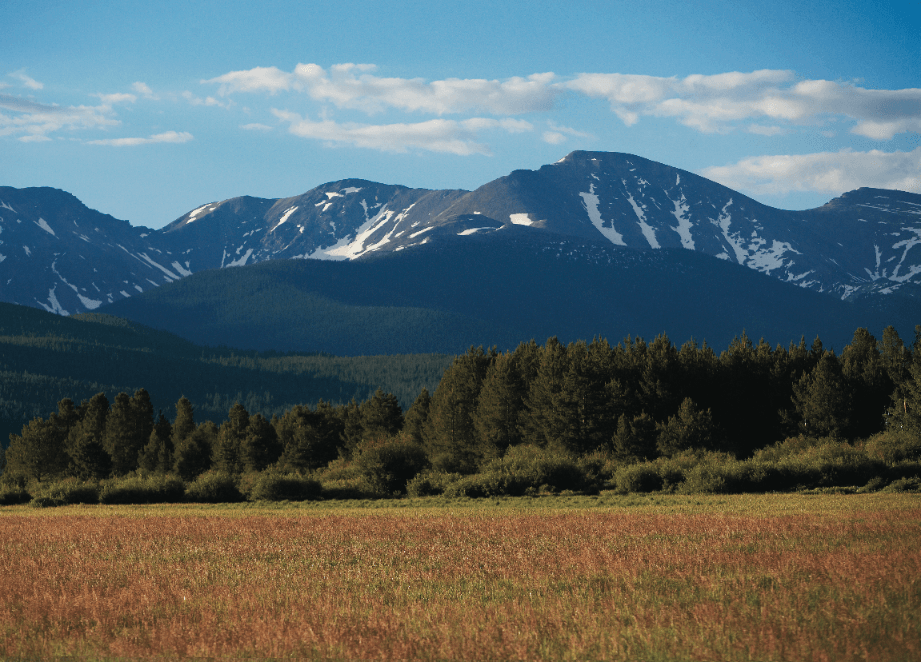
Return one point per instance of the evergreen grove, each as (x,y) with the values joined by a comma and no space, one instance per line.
(635,417)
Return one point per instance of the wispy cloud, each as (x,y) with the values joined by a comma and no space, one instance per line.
(26,81)
(144,90)
(353,86)
(437,135)
(255,126)
(716,103)
(207,101)
(112,99)
(32,121)
(167,137)
(825,172)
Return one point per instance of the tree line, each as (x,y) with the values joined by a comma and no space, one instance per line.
(635,401)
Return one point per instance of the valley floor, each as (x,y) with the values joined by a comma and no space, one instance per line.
(767,577)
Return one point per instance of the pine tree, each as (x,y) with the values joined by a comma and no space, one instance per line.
(192,456)
(538,419)
(823,400)
(499,406)
(88,456)
(450,437)
(38,452)
(416,417)
(868,382)
(157,455)
(689,429)
(260,447)
(227,453)
(635,439)
(381,415)
(184,423)
(128,429)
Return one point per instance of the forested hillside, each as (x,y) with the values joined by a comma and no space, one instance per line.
(45,358)
(637,416)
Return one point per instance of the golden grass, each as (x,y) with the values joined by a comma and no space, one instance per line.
(782,577)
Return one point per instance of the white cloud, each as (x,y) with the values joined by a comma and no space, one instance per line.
(144,90)
(207,101)
(26,81)
(437,135)
(762,130)
(32,121)
(110,99)
(557,134)
(353,86)
(553,138)
(255,126)
(167,137)
(716,103)
(258,79)
(825,172)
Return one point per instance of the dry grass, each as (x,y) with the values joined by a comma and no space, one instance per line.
(767,578)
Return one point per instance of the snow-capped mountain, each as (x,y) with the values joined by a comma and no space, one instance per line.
(57,254)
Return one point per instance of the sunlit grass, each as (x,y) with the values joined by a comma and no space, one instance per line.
(764,577)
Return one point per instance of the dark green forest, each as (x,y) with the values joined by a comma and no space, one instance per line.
(45,358)
(636,416)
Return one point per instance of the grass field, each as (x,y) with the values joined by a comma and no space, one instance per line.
(752,577)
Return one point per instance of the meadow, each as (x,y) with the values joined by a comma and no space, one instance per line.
(654,577)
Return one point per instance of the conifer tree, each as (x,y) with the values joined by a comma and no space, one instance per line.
(499,406)
(128,428)
(450,437)
(823,400)
(157,455)
(868,381)
(184,424)
(309,439)
(538,418)
(38,452)
(260,447)
(227,453)
(88,456)
(635,439)
(689,429)
(192,456)
(416,417)
(381,415)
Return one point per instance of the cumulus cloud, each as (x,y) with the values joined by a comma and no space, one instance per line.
(167,137)
(825,172)
(32,121)
(437,135)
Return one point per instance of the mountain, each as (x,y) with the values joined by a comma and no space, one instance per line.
(499,289)
(58,255)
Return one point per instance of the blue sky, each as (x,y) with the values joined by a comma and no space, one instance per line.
(146,110)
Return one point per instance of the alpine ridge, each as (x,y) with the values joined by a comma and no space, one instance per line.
(58,255)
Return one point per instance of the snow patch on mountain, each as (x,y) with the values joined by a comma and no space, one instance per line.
(590,201)
(346,248)
(204,209)
(3,205)
(170,276)
(520,219)
(179,268)
(684,222)
(284,217)
(53,305)
(44,226)
(648,231)
(241,261)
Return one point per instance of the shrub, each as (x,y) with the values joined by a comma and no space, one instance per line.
(642,477)
(285,487)
(137,489)
(389,463)
(894,446)
(430,483)
(521,468)
(906,484)
(213,487)
(352,488)
(64,492)
(11,495)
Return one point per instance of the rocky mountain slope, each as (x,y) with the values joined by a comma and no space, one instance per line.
(58,255)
